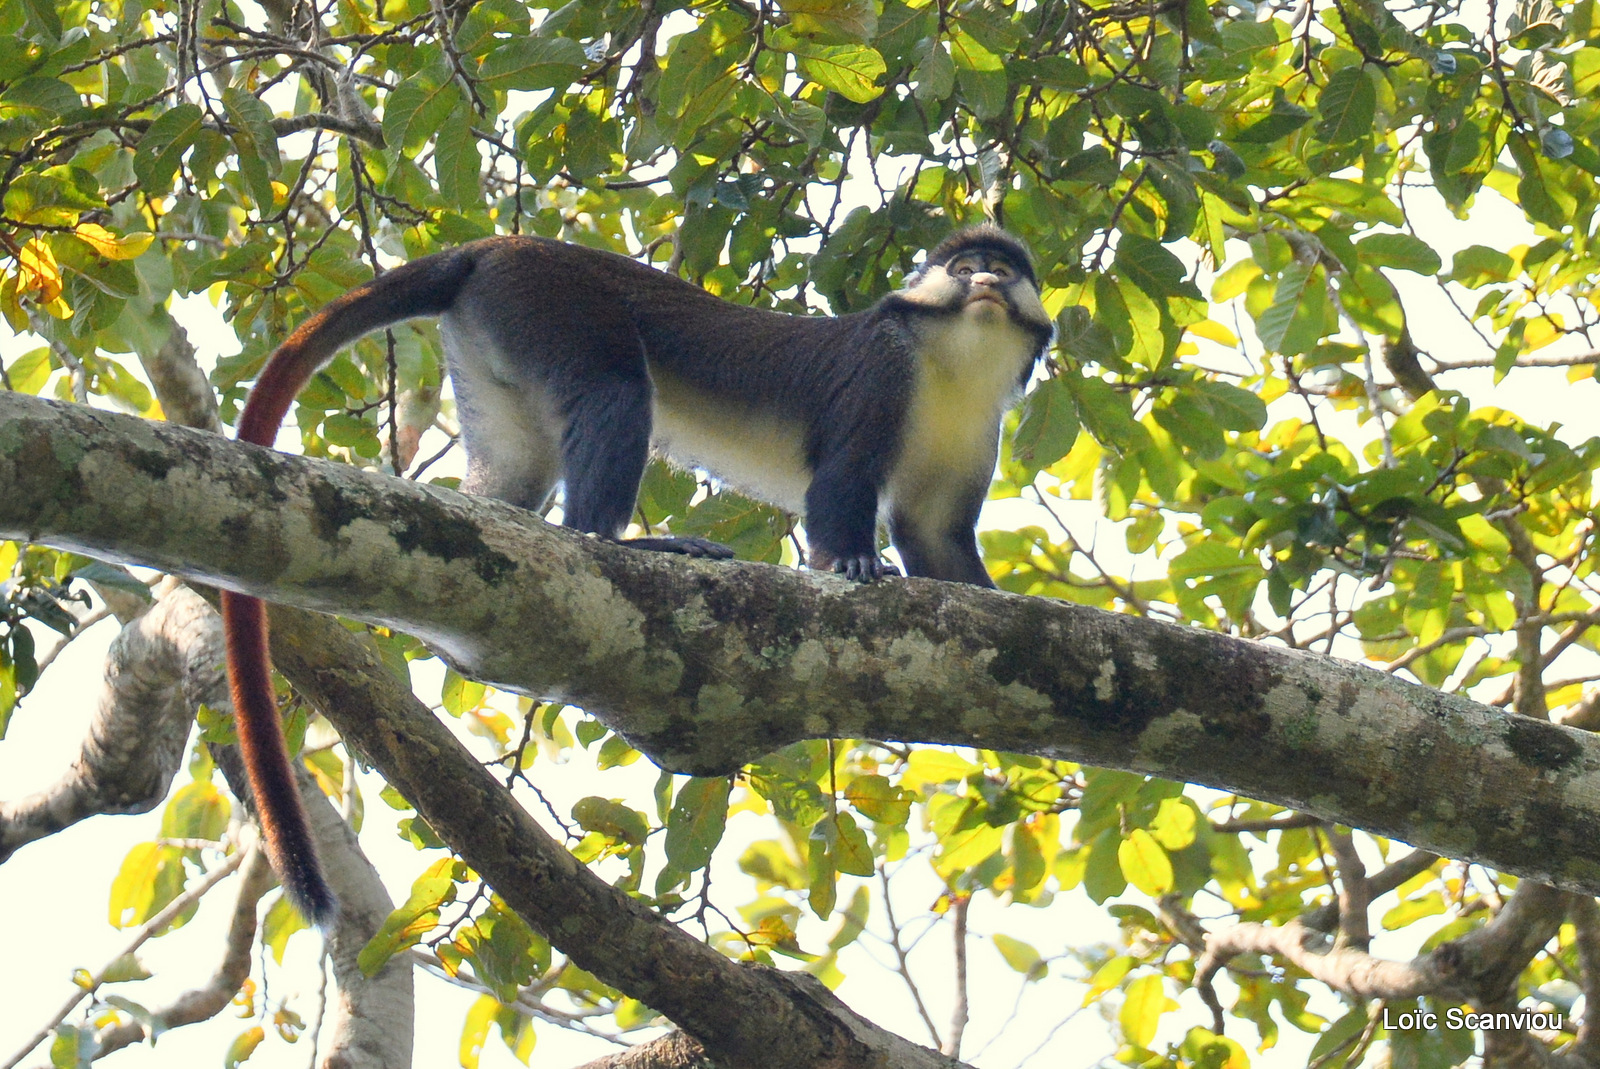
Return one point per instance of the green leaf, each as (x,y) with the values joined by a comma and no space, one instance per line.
(161,148)
(196,811)
(1152,268)
(1478,265)
(1108,976)
(1210,558)
(822,877)
(406,926)
(592,145)
(54,197)
(1342,1033)
(257,142)
(18,672)
(1048,428)
(475,1030)
(699,79)
(935,76)
(1175,823)
(696,822)
(456,162)
(45,16)
(853,20)
(1272,325)
(930,767)
(1177,191)
(849,70)
(415,109)
(73,1048)
(458,694)
(1232,407)
(875,798)
(984,90)
(611,819)
(124,969)
(243,1045)
(1107,413)
(110,575)
(848,846)
(533,63)
(1102,875)
(1283,119)
(1347,106)
(754,531)
(1403,251)
(1021,957)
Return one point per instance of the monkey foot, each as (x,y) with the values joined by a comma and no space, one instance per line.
(864,568)
(688,546)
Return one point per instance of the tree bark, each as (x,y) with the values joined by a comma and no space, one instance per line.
(705,665)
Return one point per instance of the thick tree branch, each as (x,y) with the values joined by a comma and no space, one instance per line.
(159,670)
(1480,967)
(744,1015)
(672,1051)
(135,741)
(706,665)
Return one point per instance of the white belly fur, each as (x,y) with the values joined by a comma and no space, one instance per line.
(968,375)
(754,453)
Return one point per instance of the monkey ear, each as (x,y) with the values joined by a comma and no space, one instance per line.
(932,287)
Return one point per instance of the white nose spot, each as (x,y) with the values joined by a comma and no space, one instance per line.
(985,278)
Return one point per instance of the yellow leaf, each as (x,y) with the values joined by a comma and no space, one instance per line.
(933,767)
(1211,330)
(134,885)
(1145,863)
(1141,1011)
(110,245)
(1174,825)
(475,1031)
(40,274)
(1541,331)
(1107,977)
(243,1046)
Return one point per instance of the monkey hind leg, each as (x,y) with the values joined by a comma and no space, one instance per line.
(604,451)
(604,448)
(951,555)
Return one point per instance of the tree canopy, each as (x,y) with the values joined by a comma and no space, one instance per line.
(1318,272)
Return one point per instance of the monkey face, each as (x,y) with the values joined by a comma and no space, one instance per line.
(989,279)
(983,275)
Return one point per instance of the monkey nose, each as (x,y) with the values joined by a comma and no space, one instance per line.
(985,278)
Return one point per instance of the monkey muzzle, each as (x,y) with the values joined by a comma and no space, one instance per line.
(984,291)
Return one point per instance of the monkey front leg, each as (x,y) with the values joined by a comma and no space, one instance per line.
(842,520)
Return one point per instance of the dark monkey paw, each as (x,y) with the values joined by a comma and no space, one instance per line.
(687,546)
(863,568)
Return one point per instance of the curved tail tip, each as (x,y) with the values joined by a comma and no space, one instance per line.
(312,896)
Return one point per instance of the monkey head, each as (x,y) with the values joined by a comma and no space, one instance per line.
(981,272)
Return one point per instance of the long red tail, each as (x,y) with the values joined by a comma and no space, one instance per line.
(284,824)
(423,287)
